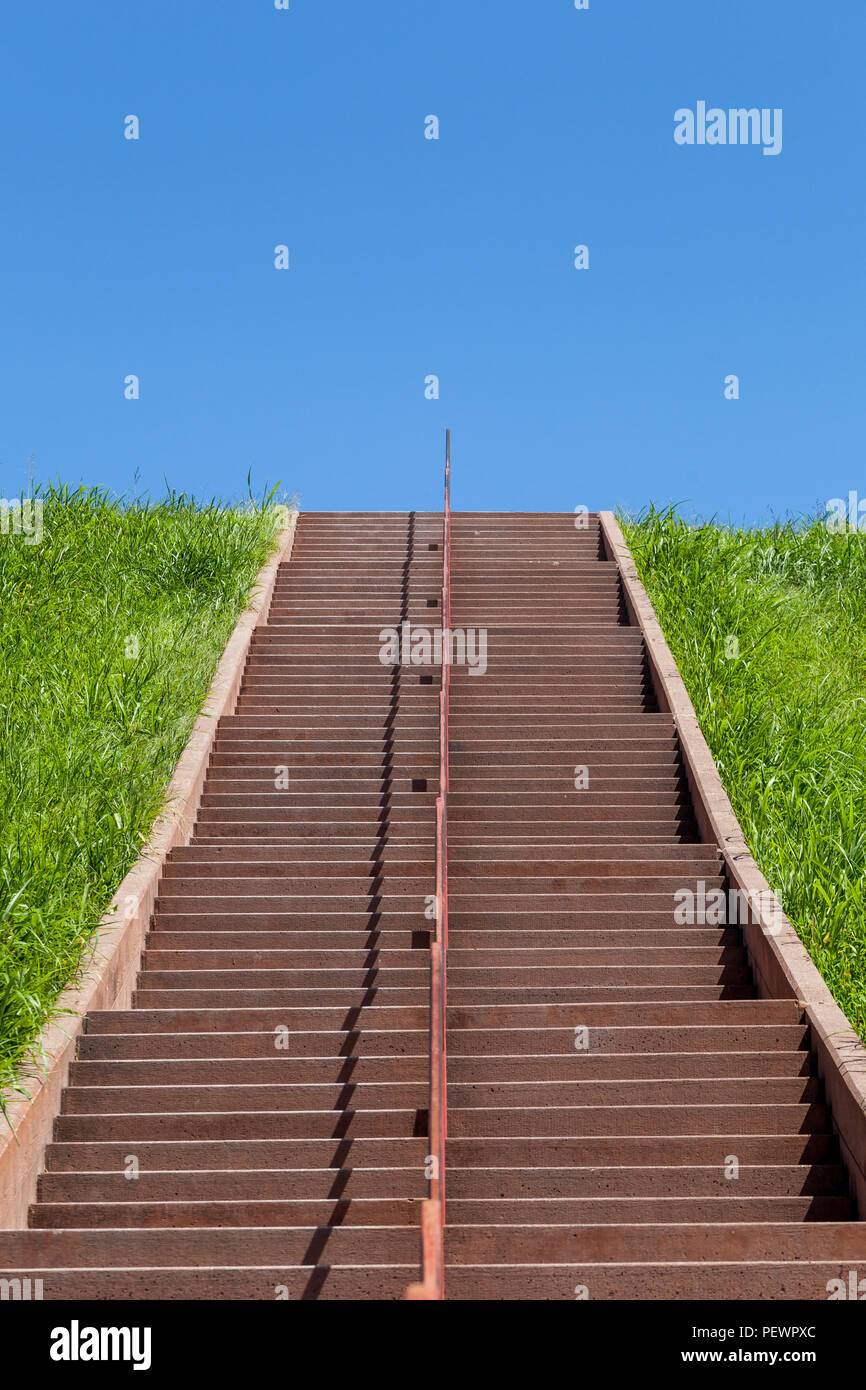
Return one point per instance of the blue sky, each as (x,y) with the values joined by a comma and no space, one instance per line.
(412,257)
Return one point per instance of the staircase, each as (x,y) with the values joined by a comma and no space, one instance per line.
(606,1067)
(254,1127)
(625,1118)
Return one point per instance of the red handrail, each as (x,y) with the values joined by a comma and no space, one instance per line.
(432,1286)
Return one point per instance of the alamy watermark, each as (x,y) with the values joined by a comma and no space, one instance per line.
(853,1288)
(738,906)
(77,1343)
(424,646)
(22,518)
(736,126)
(842,515)
(19,1290)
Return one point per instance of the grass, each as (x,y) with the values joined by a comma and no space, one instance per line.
(110,630)
(786,717)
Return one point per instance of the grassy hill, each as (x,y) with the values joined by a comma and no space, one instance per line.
(111,625)
(769,630)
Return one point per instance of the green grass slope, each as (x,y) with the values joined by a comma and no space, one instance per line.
(768,628)
(110,629)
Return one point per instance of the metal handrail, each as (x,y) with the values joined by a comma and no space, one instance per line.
(432,1286)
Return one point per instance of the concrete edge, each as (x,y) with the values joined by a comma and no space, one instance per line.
(110,972)
(782,965)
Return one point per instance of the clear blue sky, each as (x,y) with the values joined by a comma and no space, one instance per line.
(454,257)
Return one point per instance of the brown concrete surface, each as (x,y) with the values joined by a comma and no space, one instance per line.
(606,1063)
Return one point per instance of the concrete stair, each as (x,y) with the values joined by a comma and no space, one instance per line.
(255,1126)
(599,1171)
(269,1084)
